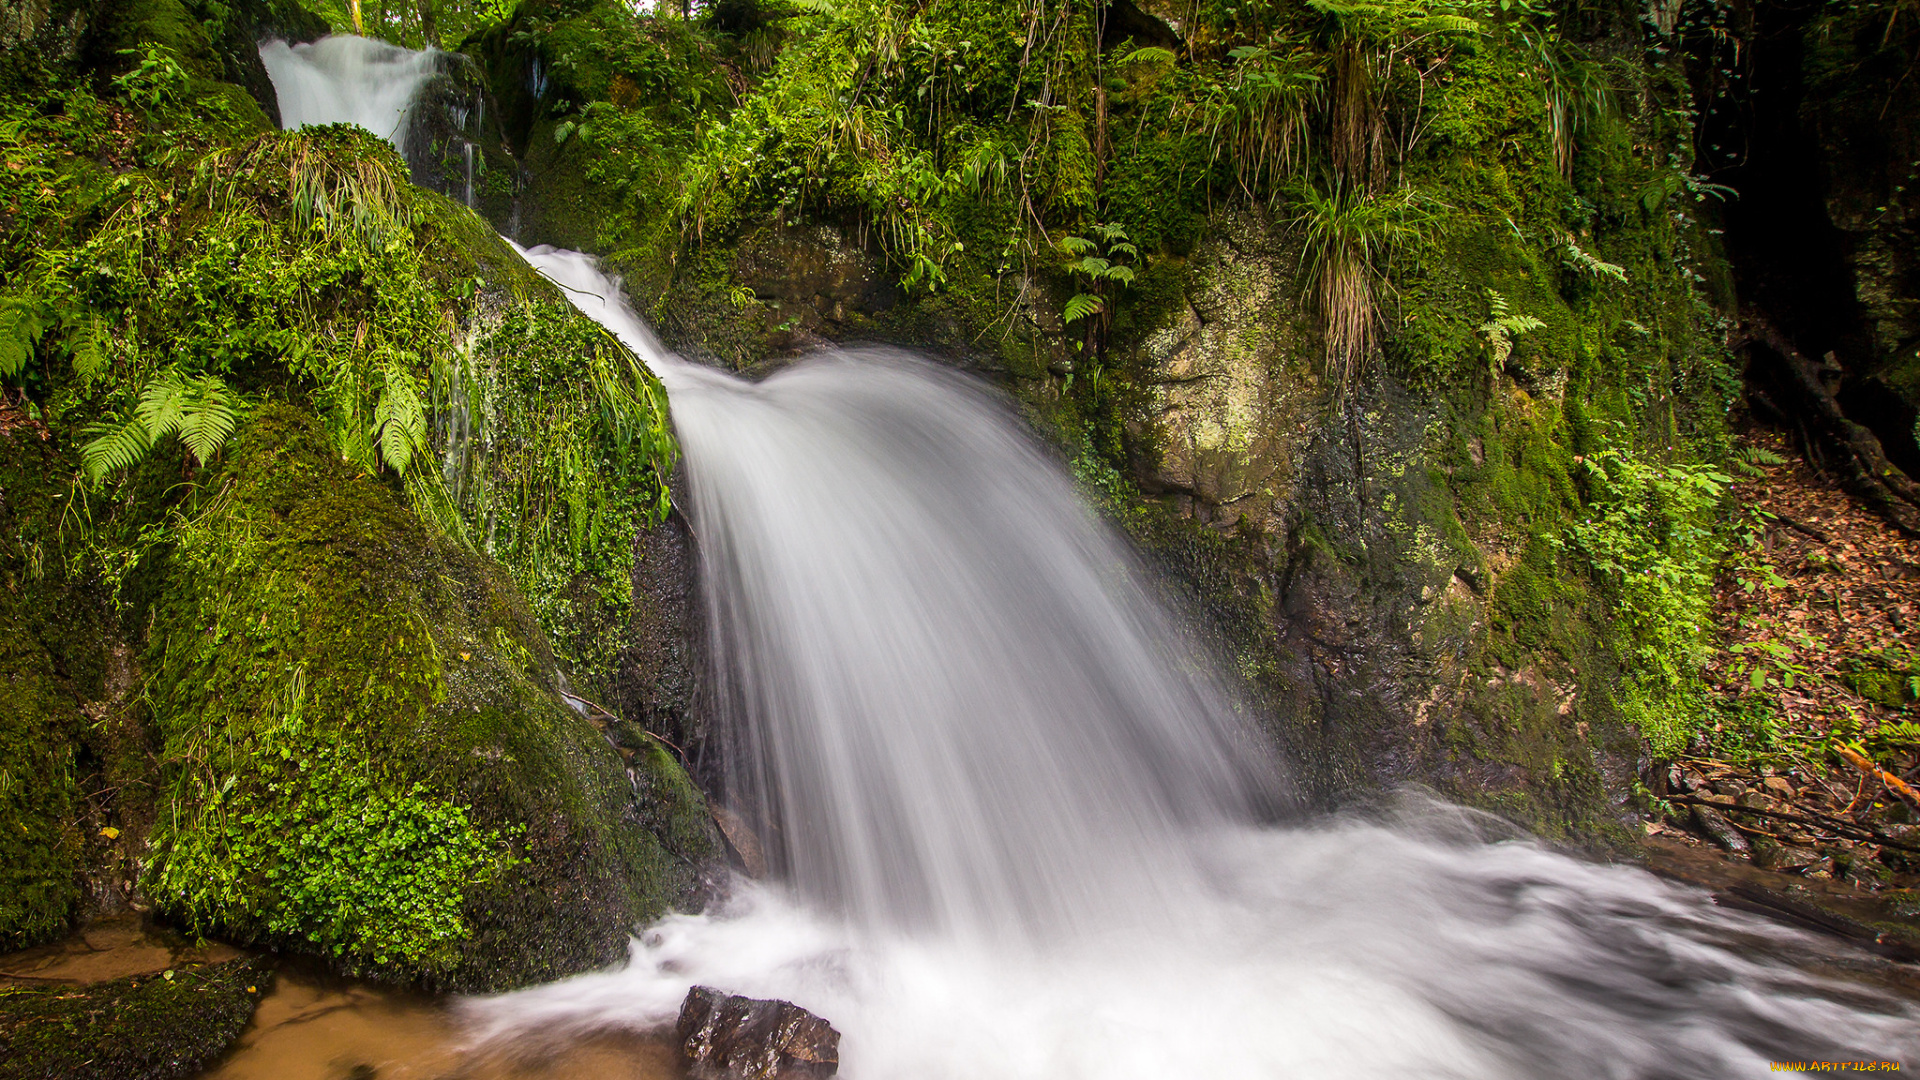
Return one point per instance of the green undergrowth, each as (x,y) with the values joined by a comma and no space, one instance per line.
(354,493)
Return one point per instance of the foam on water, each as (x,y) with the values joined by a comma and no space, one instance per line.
(1349,949)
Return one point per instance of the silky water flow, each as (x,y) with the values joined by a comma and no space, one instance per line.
(1021,832)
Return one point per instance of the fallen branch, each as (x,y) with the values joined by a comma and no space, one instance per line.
(1798,526)
(1838,828)
(1874,772)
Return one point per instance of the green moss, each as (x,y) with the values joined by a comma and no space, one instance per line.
(148,1027)
(51,658)
(39,729)
(365,757)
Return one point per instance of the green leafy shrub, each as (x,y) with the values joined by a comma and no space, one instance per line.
(1649,541)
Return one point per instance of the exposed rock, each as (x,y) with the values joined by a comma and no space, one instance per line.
(727,1037)
(1719,830)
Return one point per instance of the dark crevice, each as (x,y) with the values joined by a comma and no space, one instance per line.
(1793,267)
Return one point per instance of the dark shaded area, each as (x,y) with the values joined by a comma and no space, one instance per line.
(1800,155)
(148,1027)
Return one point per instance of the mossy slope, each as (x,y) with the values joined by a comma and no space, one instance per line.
(366,751)
(300,666)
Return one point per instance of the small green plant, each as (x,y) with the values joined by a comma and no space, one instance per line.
(200,409)
(1773,663)
(1096,263)
(1501,327)
(156,82)
(1350,236)
(1753,461)
(1587,263)
(1260,117)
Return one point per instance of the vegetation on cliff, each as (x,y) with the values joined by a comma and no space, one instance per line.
(1397,330)
(1487,206)
(308,470)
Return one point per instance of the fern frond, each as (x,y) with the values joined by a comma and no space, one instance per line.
(1150,54)
(399,418)
(211,413)
(114,447)
(1583,260)
(162,408)
(1753,461)
(1077,245)
(91,347)
(22,322)
(1081,306)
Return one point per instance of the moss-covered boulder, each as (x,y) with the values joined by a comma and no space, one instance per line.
(52,659)
(366,754)
(146,1027)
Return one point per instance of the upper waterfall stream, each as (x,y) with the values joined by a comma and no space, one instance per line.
(1022,832)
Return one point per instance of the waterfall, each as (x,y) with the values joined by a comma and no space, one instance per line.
(350,80)
(959,708)
(1023,833)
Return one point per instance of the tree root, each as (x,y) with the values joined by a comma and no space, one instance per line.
(1863,461)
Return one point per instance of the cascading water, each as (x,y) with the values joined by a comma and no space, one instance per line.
(1018,827)
(348,80)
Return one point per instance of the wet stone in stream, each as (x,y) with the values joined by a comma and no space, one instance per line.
(725,1037)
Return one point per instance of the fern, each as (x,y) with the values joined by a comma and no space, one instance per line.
(399,418)
(90,346)
(1150,54)
(1584,261)
(113,447)
(1081,306)
(1502,326)
(206,427)
(22,321)
(1753,460)
(200,409)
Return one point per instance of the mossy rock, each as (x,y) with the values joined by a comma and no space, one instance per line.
(51,655)
(148,1027)
(1883,676)
(368,757)
(39,726)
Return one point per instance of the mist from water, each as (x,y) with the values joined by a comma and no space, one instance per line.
(1019,824)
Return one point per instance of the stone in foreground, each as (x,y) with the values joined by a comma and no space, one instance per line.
(726,1037)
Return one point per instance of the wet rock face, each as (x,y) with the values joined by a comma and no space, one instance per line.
(1235,396)
(727,1037)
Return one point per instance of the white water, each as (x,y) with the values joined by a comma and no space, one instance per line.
(1017,827)
(348,80)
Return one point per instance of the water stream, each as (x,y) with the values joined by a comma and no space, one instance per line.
(1021,831)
